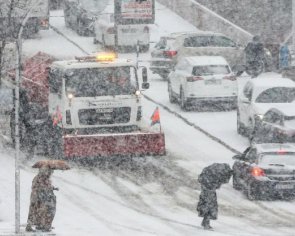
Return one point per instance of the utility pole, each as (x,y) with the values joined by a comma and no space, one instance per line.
(17,141)
(293,24)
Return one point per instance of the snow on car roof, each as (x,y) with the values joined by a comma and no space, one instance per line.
(275,147)
(75,64)
(271,82)
(206,60)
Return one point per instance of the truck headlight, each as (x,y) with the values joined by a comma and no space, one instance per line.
(260,116)
(70,96)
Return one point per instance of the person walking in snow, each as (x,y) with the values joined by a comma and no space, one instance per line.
(211,179)
(43,202)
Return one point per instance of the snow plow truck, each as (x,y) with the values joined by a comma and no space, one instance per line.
(87,107)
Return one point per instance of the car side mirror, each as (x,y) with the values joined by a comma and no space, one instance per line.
(237,157)
(144,75)
(245,100)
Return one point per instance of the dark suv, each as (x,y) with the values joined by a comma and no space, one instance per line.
(266,171)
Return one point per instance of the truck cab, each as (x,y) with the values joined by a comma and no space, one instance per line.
(95,92)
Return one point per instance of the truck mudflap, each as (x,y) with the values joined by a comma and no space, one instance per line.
(130,144)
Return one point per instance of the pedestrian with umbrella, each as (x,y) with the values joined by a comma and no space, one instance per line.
(211,179)
(43,200)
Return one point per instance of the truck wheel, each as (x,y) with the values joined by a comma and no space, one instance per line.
(103,43)
(172,99)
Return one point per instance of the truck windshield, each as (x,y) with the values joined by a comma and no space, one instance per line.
(93,82)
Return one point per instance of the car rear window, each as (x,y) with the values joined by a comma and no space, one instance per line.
(210,70)
(208,41)
(277,95)
(284,159)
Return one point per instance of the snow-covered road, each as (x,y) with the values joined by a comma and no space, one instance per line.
(152,195)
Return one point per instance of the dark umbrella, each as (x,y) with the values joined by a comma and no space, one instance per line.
(52,164)
(213,176)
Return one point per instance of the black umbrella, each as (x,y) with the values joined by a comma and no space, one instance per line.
(213,176)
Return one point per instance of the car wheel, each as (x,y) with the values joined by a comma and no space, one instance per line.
(172,99)
(80,28)
(144,48)
(250,193)
(240,127)
(103,42)
(183,104)
(251,133)
(236,184)
(164,76)
(95,41)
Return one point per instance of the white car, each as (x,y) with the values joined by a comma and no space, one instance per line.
(202,78)
(258,96)
(128,35)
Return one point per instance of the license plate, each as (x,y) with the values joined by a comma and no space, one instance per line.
(212,82)
(129,30)
(104,110)
(284,186)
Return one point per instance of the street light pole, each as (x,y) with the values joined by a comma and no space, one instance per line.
(17,141)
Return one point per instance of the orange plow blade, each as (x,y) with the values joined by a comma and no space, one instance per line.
(130,144)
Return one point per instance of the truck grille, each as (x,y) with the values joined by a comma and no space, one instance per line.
(104,116)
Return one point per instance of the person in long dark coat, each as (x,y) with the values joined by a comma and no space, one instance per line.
(43,202)
(211,179)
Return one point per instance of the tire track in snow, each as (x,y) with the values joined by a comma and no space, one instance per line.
(69,194)
(186,121)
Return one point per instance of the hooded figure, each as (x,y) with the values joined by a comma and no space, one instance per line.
(211,178)
(43,202)
(254,50)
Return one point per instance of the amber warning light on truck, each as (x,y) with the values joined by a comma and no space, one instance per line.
(100,57)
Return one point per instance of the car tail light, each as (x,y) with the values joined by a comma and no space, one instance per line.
(111,30)
(256,171)
(194,78)
(281,152)
(146,29)
(230,77)
(170,53)
(68,117)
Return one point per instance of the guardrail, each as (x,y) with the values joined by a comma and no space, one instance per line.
(207,20)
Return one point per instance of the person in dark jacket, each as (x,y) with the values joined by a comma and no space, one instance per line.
(43,202)
(254,50)
(211,179)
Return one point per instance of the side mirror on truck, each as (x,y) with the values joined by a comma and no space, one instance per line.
(145,84)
